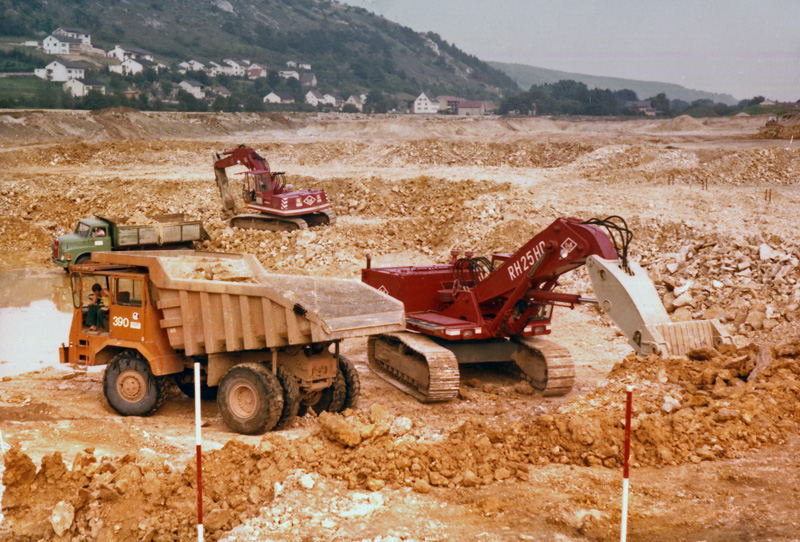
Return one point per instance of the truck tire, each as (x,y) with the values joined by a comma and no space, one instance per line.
(352,383)
(185,382)
(250,399)
(130,386)
(331,399)
(83,258)
(291,398)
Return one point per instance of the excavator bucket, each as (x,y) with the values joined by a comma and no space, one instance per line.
(631,301)
(228,204)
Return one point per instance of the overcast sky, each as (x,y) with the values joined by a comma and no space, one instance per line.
(741,47)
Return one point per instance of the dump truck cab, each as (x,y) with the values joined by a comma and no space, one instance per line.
(130,321)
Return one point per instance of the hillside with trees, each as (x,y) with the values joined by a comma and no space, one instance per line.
(350,49)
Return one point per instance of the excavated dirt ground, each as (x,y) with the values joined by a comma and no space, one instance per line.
(713,205)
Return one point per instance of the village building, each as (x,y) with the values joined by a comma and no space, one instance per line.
(356,102)
(449,104)
(76,33)
(124,53)
(470,108)
(308,79)
(129,66)
(81,87)
(235,67)
(214,68)
(61,45)
(314,97)
(191,66)
(642,106)
(61,70)
(289,74)
(333,99)
(425,104)
(279,98)
(257,71)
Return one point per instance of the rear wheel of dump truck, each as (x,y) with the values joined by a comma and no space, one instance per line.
(185,382)
(250,399)
(130,387)
(352,382)
(291,398)
(331,399)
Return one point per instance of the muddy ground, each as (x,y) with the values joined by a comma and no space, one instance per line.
(713,208)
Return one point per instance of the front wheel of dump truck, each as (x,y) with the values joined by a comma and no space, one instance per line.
(250,399)
(130,387)
(331,399)
(352,382)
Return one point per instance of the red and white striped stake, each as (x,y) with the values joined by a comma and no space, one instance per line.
(199,453)
(625,464)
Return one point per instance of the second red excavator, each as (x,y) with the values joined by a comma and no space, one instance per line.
(275,205)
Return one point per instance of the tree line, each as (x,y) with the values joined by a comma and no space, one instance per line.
(568,97)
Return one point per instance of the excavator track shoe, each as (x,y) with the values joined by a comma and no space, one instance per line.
(415,364)
(548,366)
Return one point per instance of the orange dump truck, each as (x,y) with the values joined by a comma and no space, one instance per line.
(268,344)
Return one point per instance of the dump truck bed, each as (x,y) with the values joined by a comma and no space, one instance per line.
(213,303)
(161,230)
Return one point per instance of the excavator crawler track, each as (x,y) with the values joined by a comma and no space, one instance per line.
(267,222)
(262,221)
(415,364)
(547,366)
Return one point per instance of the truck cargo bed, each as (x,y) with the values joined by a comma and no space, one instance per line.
(160,230)
(213,303)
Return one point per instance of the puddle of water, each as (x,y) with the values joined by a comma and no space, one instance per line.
(35,317)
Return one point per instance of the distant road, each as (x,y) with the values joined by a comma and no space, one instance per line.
(17,74)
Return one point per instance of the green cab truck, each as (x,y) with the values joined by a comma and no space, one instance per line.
(102,234)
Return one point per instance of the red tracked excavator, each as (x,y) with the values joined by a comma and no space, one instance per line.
(477,310)
(275,204)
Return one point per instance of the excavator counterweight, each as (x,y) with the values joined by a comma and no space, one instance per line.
(477,310)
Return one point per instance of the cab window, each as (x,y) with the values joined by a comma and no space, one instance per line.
(82,293)
(128,292)
(82,229)
(261,183)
